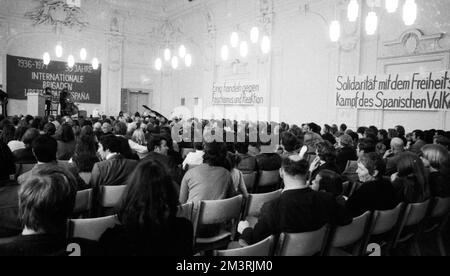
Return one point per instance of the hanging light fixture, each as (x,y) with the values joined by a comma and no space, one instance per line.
(371,23)
(70,61)
(83,54)
(59,50)
(234,39)
(391,5)
(410,12)
(158,64)
(188,60)
(95,63)
(353,10)
(175,62)
(254,35)
(46,58)
(265,44)
(243,49)
(335,30)
(225,52)
(182,51)
(167,54)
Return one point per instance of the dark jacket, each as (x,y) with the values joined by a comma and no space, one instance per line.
(112,172)
(9,206)
(169,162)
(268,162)
(33,245)
(65,150)
(371,196)
(24,156)
(439,184)
(297,211)
(343,156)
(175,240)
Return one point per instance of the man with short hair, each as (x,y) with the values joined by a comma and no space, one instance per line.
(44,149)
(418,137)
(391,156)
(299,209)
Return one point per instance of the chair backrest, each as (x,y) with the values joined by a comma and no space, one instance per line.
(219,211)
(91,229)
(186,211)
(263,248)
(352,233)
(385,221)
(415,213)
(256,201)
(441,207)
(250,180)
(83,201)
(86,177)
(111,196)
(301,244)
(269,178)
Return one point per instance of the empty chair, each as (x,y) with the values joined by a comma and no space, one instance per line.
(437,221)
(268,180)
(263,248)
(213,212)
(410,226)
(302,244)
(383,225)
(91,229)
(254,204)
(350,235)
(83,202)
(250,180)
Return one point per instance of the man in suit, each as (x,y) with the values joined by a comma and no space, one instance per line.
(299,209)
(418,139)
(114,170)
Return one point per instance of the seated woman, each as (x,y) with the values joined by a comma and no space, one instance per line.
(437,159)
(85,156)
(375,193)
(149,226)
(325,160)
(410,181)
(45,203)
(66,142)
(26,156)
(329,182)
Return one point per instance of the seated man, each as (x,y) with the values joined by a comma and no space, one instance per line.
(298,210)
(44,149)
(392,156)
(45,203)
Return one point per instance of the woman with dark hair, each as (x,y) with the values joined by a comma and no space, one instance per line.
(87,131)
(410,180)
(26,156)
(329,182)
(9,202)
(437,159)
(211,180)
(66,142)
(383,137)
(149,226)
(344,151)
(375,193)
(85,156)
(325,160)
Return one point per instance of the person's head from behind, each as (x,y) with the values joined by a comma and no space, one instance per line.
(436,157)
(328,181)
(150,198)
(410,167)
(139,137)
(365,146)
(106,128)
(47,200)
(397,145)
(86,144)
(242,147)
(343,128)
(120,128)
(158,144)
(45,148)
(400,131)
(87,131)
(29,137)
(370,167)
(290,142)
(442,140)
(215,154)
(49,129)
(66,134)
(344,141)
(108,144)
(293,171)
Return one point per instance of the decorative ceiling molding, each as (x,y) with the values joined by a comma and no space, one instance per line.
(57,13)
(414,41)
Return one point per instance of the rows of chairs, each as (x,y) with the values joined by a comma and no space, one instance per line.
(405,224)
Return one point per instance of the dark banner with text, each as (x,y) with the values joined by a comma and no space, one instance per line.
(413,91)
(28,75)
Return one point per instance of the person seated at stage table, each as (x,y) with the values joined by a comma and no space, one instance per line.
(26,156)
(149,226)
(299,208)
(45,203)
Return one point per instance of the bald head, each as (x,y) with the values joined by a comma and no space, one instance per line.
(397,145)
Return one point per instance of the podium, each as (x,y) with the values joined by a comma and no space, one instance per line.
(35,104)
